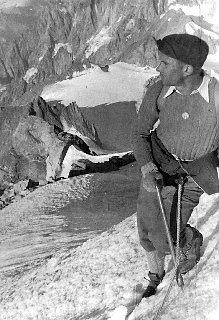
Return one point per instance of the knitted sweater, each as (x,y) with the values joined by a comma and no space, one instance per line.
(188,124)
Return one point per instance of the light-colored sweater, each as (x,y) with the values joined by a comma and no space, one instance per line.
(188,124)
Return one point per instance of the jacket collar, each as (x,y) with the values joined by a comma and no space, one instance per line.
(203,89)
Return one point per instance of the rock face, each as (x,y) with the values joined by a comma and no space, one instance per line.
(68,37)
(72,34)
(32,142)
(65,34)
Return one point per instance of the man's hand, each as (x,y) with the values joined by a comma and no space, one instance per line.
(150,175)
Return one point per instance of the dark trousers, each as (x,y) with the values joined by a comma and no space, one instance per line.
(150,224)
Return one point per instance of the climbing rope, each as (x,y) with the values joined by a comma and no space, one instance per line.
(196,276)
(179,279)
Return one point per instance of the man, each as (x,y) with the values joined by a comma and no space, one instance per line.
(182,148)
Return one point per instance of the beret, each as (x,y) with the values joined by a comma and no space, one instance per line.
(184,47)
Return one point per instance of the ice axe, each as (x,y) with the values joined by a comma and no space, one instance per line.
(179,278)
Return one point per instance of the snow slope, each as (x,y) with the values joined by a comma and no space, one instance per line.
(94,87)
(104,278)
(4,4)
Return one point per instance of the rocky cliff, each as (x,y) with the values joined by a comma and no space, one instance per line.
(33,139)
(69,36)
(63,40)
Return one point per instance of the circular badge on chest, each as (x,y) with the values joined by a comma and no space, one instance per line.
(185,115)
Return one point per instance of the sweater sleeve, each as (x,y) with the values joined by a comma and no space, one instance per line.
(146,118)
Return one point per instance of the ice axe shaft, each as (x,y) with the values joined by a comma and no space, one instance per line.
(169,238)
(179,277)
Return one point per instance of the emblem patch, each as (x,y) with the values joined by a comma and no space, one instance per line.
(185,115)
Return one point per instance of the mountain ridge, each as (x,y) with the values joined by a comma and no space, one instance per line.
(70,37)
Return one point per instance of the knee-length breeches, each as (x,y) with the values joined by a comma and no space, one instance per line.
(151,228)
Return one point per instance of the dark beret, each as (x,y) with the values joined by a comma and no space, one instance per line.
(184,47)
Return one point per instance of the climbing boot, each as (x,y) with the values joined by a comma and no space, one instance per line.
(154,281)
(190,253)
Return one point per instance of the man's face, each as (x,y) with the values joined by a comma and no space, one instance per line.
(170,70)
